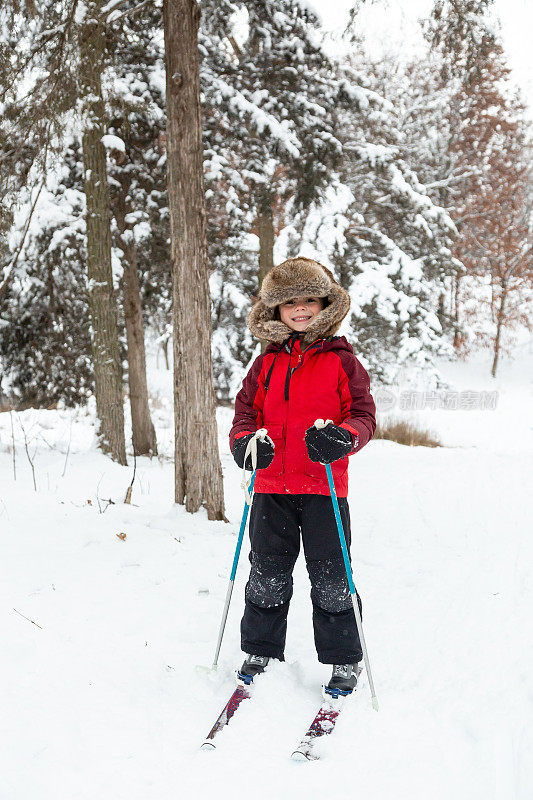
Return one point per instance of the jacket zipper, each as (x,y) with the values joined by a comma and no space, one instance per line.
(297,365)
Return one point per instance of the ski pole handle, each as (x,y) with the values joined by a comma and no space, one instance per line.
(251,450)
(321,423)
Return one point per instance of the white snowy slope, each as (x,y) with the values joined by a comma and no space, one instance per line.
(103,700)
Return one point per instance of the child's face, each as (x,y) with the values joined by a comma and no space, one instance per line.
(297,314)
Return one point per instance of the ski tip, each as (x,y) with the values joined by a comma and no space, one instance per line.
(299,756)
(375,703)
(207,746)
(202,669)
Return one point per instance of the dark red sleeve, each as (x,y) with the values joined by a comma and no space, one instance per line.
(357,404)
(249,403)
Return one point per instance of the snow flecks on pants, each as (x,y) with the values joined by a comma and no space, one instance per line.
(270,581)
(329,585)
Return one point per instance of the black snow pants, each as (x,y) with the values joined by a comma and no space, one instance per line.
(275,524)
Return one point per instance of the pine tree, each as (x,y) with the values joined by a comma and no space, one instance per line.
(127,45)
(45,347)
(282,90)
(229,215)
(386,236)
(61,53)
(269,99)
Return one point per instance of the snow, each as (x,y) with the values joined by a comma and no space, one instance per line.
(112,142)
(80,13)
(262,121)
(104,699)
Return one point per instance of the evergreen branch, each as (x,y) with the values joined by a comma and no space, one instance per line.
(11,268)
(51,32)
(131,12)
(63,29)
(62,41)
(13,76)
(110,8)
(55,67)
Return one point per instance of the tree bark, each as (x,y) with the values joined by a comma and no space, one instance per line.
(265,232)
(198,473)
(455,301)
(164,348)
(499,324)
(143,432)
(102,302)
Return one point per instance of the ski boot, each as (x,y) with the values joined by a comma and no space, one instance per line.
(343,679)
(252,666)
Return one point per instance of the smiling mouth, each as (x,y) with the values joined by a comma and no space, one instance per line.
(300,319)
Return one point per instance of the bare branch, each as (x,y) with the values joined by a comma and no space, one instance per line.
(68,448)
(236,49)
(449,181)
(14,449)
(30,459)
(25,617)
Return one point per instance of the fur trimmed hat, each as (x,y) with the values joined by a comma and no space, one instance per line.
(298,277)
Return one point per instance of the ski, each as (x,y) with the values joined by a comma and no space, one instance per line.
(322,725)
(242,692)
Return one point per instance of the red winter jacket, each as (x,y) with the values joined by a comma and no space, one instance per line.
(325,381)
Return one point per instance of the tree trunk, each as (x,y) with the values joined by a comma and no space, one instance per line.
(265,232)
(455,300)
(499,324)
(143,432)
(198,473)
(103,310)
(164,347)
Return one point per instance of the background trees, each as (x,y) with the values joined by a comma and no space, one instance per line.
(492,214)
(410,180)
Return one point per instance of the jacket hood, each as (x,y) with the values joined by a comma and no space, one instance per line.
(298,277)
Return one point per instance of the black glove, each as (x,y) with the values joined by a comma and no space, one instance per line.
(265,452)
(328,444)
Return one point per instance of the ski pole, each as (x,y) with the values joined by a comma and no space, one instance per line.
(321,424)
(248,487)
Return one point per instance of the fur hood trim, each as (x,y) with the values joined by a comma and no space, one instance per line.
(298,277)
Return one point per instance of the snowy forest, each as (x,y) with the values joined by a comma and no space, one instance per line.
(157,159)
(411,180)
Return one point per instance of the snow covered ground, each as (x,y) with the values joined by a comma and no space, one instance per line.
(101,633)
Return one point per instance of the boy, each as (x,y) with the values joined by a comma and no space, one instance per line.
(306,373)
